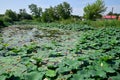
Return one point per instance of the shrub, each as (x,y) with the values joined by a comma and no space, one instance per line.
(1,23)
(7,19)
(102,23)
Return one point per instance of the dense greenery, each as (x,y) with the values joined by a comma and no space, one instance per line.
(36,11)
(102,23)
(11,14)
(23,15)
(64,48)
(79,53)
(1,24)
(71,23)
(59,12)
(94,11)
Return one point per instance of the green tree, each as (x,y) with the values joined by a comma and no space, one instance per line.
(45,16)
(49,15)
(67,10)
(64,10)
(110,13)
(52,14)
(36,11)
(11,14)
(95,10)
(7,19)
(1,23)
(23,15)
(59,12)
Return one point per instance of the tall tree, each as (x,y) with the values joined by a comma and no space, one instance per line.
(67,9)
(45,16)
(52,14)
(11,14)
(95,10)
(64,10)
(36,11)
(23,14)
(59,12)
(48,15)
(1,23)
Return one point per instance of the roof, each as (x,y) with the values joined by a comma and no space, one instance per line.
(110,17)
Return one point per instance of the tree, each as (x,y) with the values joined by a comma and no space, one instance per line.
(110,13)
(52,14)
(67,9)
(7,19)
(11,15)
(95,10)
(45,16)
(36,11)
(59,12)
(49,15)
(23,14)
(1,23)
(64,10)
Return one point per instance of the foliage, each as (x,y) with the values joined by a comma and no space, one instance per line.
(64,10)
(101,23)
(51,73)
(7,19)
(36,11)
(11,14)
(1,23)
(62,25)
(24,15)
(105,48)
(75,53)
(59,12)
(49,15)
(94,11)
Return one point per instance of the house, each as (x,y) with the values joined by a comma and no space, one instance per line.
(118,17)
(110,17)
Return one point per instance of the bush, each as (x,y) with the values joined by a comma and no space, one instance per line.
(102,23)
(69,21)
(7,19)
(2,23)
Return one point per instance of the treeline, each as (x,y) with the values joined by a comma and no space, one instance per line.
(59,12)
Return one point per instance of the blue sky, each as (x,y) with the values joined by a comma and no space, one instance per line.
(77,5)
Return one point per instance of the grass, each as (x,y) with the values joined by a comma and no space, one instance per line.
(96,24)
(102,23)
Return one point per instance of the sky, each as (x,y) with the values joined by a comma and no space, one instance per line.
(77,5)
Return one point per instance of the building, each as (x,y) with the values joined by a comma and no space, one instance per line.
(109,17)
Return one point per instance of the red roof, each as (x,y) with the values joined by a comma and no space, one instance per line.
(110,17)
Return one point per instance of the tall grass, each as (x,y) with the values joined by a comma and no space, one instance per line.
(96,24)
(102,23)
